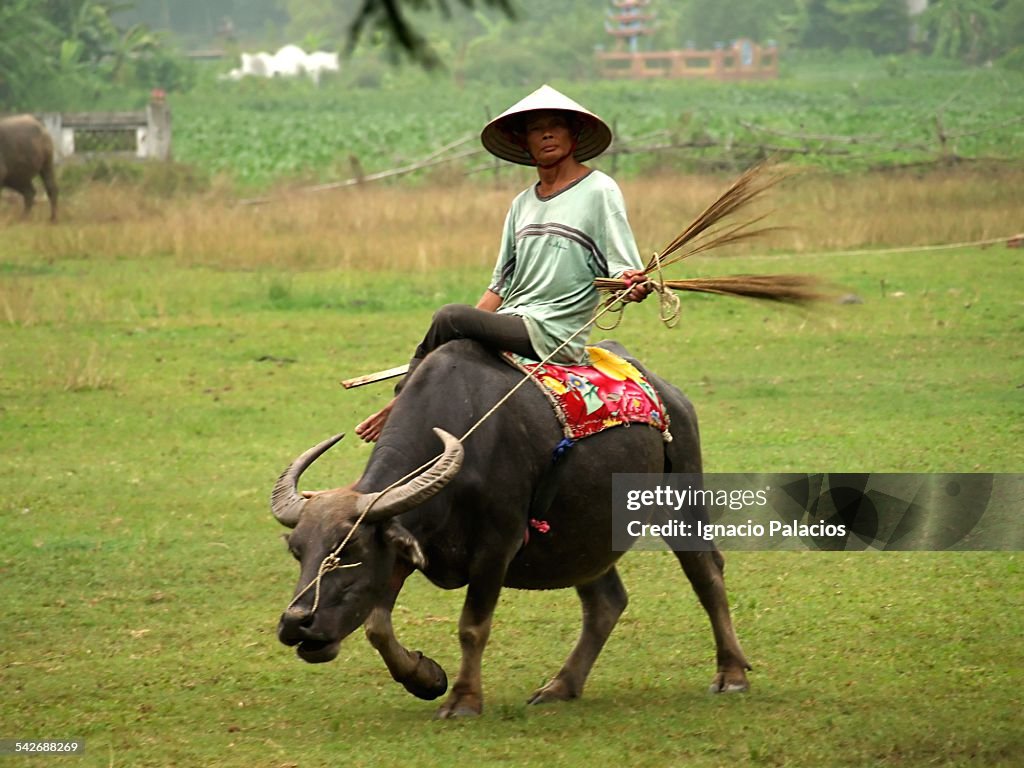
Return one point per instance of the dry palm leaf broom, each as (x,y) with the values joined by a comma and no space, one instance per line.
(709,231)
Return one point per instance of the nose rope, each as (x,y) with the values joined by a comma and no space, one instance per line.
(332,562)
(329,563)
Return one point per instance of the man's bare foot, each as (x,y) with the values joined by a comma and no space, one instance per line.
(369,430)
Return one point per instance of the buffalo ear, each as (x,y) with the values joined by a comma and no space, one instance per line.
(408,548)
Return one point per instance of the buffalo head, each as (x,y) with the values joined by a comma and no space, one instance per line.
(335,596)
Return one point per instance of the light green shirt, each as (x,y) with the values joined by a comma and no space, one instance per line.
(552,249)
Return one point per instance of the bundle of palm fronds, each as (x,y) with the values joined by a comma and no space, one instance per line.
(788,289)
(710,230)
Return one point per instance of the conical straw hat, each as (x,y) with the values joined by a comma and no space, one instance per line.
(498,136)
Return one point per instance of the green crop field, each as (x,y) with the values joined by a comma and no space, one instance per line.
(835,115)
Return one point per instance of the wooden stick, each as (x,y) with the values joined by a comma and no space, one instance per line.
(405,169)
(370,378)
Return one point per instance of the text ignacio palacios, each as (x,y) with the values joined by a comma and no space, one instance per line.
(665,497)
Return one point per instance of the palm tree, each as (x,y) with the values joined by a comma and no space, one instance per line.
(967,29)
(25,39)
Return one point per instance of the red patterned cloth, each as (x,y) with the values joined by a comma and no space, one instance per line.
(590,398)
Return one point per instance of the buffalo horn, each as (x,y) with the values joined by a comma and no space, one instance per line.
(285,501)
(420,488)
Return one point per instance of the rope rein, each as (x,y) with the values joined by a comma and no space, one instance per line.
(613,303)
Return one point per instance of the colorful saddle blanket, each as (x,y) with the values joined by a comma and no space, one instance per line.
(590,398)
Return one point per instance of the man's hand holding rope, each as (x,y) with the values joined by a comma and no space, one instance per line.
(639,283)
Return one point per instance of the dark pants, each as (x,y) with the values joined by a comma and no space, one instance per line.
(461,321)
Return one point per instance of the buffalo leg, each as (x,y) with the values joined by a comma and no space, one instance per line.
(467,697)
(604,600)
(28,195)
(51,188)
(420,675)
(705,570)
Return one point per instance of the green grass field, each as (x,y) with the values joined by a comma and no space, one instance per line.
(147,405)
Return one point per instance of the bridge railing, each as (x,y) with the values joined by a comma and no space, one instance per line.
(141,135)
(741,61)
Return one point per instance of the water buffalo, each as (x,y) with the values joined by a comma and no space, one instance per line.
(26,151)
(462,522)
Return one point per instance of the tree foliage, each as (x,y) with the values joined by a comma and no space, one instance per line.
(389,16)
(23,38)
(199,21)
(967,29)
(881,26)
(54,51)
(1012,24)
(51,51)
(706,22)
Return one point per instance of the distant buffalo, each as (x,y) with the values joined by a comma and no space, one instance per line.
(26,150)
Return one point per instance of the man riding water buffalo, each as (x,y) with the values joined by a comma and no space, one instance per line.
(561,233)
(494,510)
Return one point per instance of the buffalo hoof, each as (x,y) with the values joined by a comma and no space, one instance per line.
(556,690)
(450,714)
(729,683)
(465,705)
(427,681)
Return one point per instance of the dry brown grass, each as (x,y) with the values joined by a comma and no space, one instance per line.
(415,228)
(825,213)
(369,228)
